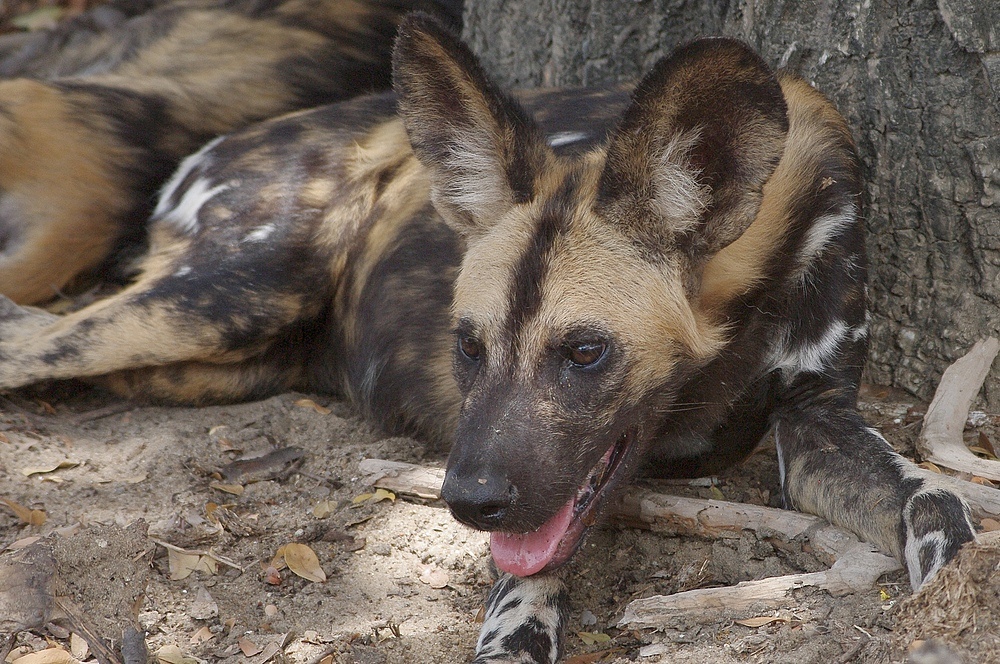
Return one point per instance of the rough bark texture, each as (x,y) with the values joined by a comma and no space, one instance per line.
(918,81)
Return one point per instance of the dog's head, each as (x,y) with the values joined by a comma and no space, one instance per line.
(577,310)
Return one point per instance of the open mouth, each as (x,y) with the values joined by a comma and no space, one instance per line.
(555,541)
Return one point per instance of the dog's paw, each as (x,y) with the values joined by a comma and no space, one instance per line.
(936,524)
(524,621)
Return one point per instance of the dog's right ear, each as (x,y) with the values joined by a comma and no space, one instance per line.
(483,150)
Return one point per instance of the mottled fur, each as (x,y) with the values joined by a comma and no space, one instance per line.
(94,122)
(567,299)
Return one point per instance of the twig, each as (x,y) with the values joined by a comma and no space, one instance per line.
(79,624)
(100,413)
(855,650)
(940,439)
(197,552)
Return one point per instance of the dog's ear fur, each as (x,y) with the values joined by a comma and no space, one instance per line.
(686,165)
(483,150)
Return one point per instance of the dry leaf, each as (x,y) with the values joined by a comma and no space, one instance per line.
(357,500)
(79,646)
(434,577)
(975,479)
(202,635)
(182,564)
(927,465)
(324,508)
(303,562)
(760,621)
(590,657)
(377,497)
(327,660)
(49,656)
(27,515)
(203,607)
(309,403)
(278,562)
(383,494)
(171,654)
(990,525)
(272,575)
(987,444)
(591,638)
(248,647)
(50,467)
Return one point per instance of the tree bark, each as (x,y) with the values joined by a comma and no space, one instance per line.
(918,81)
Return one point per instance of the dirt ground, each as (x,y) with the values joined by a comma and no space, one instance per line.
(404,581)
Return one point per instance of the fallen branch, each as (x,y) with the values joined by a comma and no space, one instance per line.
(856,570)
(405,479)
(855,566)
(940,439)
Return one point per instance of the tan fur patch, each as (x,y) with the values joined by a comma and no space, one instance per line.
(58,188)
(815,128)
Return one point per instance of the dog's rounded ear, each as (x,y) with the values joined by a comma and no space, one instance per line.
(686,166)
(483,150)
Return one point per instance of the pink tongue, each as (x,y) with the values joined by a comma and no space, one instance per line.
(523,554)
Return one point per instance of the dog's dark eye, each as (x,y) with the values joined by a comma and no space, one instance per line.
(470,346)
(584,354)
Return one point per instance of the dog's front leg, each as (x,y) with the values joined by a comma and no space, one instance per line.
(524,622)
(836,466)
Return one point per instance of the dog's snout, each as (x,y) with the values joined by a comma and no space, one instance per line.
(480,500)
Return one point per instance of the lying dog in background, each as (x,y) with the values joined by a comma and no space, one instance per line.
(568,299)
(96,121)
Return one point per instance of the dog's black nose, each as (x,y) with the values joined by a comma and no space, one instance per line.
(480,500)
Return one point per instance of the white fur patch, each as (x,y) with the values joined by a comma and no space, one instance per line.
(822,231)
(260,233)
(476,183)
(565,138)
(679,198)
(811,357)
(530,606)
(184,215)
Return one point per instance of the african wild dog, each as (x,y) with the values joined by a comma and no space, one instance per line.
(570,299)
(95,122)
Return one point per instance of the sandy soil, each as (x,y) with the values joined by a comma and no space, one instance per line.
(144,475)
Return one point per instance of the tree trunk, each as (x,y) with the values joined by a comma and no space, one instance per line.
(919,83)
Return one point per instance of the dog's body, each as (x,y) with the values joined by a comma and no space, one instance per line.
(569,302)
(92,125)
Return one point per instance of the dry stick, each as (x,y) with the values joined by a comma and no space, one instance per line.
(81,626)
(99,413)
(855,565)
(940,439)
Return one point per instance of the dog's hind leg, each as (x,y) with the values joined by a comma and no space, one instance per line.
(836,466)
(524,622)
(195,304)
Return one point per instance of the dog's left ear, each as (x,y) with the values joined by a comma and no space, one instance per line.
(686,165)
(483,150)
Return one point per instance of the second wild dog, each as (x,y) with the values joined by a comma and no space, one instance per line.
(90,131)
